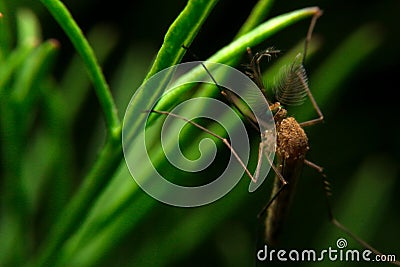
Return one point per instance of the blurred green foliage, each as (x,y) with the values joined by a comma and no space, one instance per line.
(59,164)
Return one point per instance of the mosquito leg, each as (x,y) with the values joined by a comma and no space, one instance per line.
(305,84)
(224,140)
(328,193)
(315,105)
(264,209)
(277,172)
(327,186)
(283,186)
(309,33)
(260,155)
(193,55)
(220,88)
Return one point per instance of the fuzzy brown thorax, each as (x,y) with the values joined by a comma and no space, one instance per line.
(292,141)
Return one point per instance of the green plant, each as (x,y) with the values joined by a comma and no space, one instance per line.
(82,225)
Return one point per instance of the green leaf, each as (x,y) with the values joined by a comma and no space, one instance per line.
(181,32)
(258,14)
(232,52)
(185,27)
(65,20)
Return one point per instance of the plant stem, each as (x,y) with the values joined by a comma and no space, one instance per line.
(185,26)
(259,12)
(72,216)
(64,18)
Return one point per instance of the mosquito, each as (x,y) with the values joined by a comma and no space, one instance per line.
(292,142)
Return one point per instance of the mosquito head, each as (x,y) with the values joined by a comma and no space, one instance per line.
(267,53)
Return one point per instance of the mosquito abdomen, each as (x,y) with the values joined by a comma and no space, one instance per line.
(292,146)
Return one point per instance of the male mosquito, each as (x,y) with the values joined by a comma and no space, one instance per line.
(292,142)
